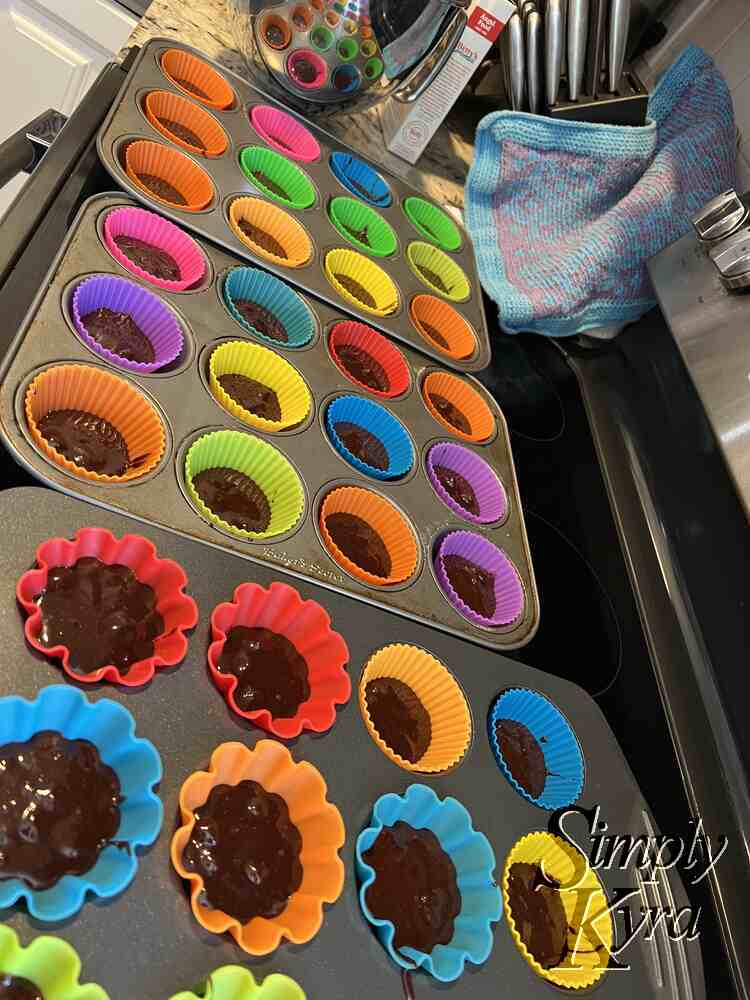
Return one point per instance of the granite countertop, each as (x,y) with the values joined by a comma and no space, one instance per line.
(205,24)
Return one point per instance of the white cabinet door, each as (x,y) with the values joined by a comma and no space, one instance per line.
(51,51)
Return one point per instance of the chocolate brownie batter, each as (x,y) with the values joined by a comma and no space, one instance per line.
(399,717)
(263,239)
(183,132)
(362,444)
(458,488)
(451,413)
(234,497)
(59,808)
(261,319)
(18,988)
(433,279)
(270,185)
(304,70)
(360,543)
(279,141)
(359,234)
(247,851)
(162,189)
(254,396)
(156,261)
(187,85)
(415,886)
(270,672)
(275,36)
(365,192)
(434,334)
(299,20)
(538,913)
(87,440)
(118,332)
(363,367)
(474,585)
(357,290)
(523,755)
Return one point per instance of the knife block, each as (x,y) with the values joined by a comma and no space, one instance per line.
(627,106)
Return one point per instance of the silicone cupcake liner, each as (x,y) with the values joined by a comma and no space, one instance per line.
(257,162)
(474,860)
(238,357)
(509,595)
(582,896)
(80,387)
(488,490)
(346,78)
(270,25)
(319,822)
(278,224)
(321,38)
(307,626)
(159,233)
(563,759)
(432,316)
(454,281)
(234,982)
(374,68)
(273,294)
(309,58)
(332,18)
(263,463)
(183,68)
(148,312)
(378,421)
(466,399)
(373,279)
(172,166)
(432,223)
(390,524)
(347,49)
(165,577)
(301,17)
(369,47)
(378,347)
(351,218)
(284,133)
(160,104)
(49,963)
(441,696)
(111,728)
(360,178)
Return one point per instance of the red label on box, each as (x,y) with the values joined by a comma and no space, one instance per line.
(486,25)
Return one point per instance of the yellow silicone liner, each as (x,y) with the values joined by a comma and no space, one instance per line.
(439,692)
(238,357)
(277,223)
(453,277)
(161,104)
(172,166)
(466,399)
(584,900)
(368,274)
(180,65)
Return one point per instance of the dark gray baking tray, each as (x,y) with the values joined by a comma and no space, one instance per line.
(127,121)
(145,945)
(187,405)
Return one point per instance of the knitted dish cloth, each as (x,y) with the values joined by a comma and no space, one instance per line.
(564,215)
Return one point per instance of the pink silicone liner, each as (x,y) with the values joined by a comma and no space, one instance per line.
(509,595)
(273,125)
(158,232)
(488,490)
(312,57)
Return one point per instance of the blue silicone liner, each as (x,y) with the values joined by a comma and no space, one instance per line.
(549,727)
(474,860)
(351,171)
(271,293)
(376,419)
(111,728)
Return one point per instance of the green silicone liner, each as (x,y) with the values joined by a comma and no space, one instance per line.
(263,463)
(48,962)
(350,216)
(456,284)
(233,982)
(347,49)
(373,68)
(433,224)
(299,188)
(321,38)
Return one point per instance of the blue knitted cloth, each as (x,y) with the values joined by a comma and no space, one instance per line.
(564,215)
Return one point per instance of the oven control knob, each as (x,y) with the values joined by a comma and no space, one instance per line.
(720,217)
(731,258)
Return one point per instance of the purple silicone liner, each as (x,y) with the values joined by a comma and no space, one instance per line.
(160,233)
(156,321)
(509,595)
(489,491)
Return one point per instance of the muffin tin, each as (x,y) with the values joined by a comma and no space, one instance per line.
(186,718)
(316,176)
(180,395)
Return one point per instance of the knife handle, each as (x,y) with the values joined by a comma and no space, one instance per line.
(534,60)
(553,46)
(516,62)
(578,14)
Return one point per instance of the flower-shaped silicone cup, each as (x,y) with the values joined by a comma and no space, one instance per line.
(164,576)
(509,595)
(111,728)
(490,495)
(49,963)
(319,822)
(474,860)
(234,982)
(307,626)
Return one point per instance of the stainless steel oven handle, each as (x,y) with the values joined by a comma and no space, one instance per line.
(23,150)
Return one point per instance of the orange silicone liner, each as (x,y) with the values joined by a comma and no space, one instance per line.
(183,68)
(429,311)
(319,822)
(466,399)
(161,104)
(172,166)
(385,519)
(277,223)
(79,387)
(282,25)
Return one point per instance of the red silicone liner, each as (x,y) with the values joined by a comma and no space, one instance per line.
(165,576)
(308,627)
(378,347)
